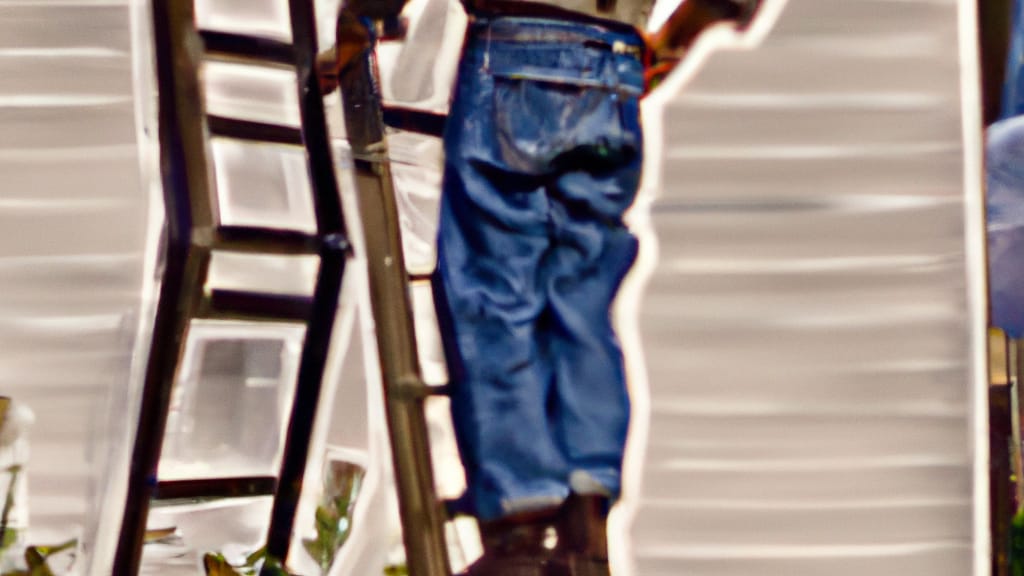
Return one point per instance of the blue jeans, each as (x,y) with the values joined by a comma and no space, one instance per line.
(543,155)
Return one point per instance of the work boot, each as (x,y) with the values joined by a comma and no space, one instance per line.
(582,548)
(514,546)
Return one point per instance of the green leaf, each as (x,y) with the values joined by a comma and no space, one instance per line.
(1016,559)
(48,551)
(37,562)
(273,566)
(216,565)
(255,557)
(10,537)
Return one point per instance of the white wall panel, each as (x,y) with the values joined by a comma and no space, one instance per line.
(808,341)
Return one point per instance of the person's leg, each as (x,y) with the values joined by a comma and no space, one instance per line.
(493,232)
(500,377)
(591,253)
(592,407)
(591,411)
(545,110)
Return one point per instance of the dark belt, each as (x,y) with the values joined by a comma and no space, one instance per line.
(526,9)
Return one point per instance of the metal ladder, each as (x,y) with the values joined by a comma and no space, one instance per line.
(423,514)
(193,233)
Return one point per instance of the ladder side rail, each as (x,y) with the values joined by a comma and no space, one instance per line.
(421,513)
(1001,498)
(333,252)
(188,208)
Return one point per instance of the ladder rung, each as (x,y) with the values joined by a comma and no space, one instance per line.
(265,240)
(416,121)
(240,305)
(457,507)
(257,131)
(439,389)
(416,389)
(243,47)
(209,488)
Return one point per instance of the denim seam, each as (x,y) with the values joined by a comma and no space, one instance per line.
(580,83)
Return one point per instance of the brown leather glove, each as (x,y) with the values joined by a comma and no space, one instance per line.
(353,39)
(669,44)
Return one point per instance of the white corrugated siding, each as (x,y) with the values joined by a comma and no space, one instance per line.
(808,328)
(72,234)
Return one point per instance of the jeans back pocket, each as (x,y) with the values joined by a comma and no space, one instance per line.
(568,111)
